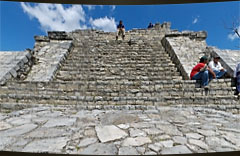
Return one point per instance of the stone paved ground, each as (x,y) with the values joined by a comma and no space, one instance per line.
(154,130)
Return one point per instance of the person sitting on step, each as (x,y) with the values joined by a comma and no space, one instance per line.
(236,76)
(201,72)
(120,30)
(217,68)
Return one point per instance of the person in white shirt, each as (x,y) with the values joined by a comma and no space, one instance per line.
(217,68)
(236,75)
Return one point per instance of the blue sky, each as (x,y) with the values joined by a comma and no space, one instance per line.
(20,22)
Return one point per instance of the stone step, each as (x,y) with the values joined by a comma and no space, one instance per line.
(125,66)
(123,72)
(118,52)
(110,100)
(134,81)
(112,88)
(82,68)
(133,91)
(94,77)
(140,59)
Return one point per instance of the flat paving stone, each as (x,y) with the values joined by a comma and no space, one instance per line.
(169,129)
(4,125)
(127,151)
(198,143)
(5,141)
(179,140)
(155,147)
(180,149)
(60,122)
(18,121)
(100,149)
(53,145)
(137,141)
(109,133)
(194,135)
(19,130)
(137,132)
(47,133)
(87,141)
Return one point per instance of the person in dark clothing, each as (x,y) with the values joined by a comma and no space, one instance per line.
(236,76)
(120,30)
(150,25)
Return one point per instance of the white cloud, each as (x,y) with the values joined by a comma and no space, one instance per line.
(113,7)
(195,20)
(56,17)
(234,36)
(106,24)
(59,18)
(90,7)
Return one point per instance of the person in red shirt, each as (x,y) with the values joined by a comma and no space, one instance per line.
(201,72)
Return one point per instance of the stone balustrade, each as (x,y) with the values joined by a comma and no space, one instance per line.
(229,58)
(14,65)
(185,49)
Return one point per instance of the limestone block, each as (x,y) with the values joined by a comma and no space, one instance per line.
(109,133)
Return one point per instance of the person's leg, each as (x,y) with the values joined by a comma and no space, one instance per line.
(238,84)
(219,74)
(123,34)
(203,76)
(197,76)
(117,34)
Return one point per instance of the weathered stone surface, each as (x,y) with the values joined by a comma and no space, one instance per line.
(19,121)
(118,118)
(49,58)
(47,133)
(214,141)
(198,143)
(54,145)
(194,135)
(127,151)
(153,131)
(167,143)
(138,141)
(87,141)
(123,126)
(137,132)
(4,125)
(19,130)
(169,129)
(5,141)
(100,149)
(60,122)
(155,147)
(109,133)
(9,66)
(206,132)
(180,149)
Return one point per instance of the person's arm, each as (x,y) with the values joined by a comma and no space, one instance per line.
(220,66)
(236,70)
(211,72)
(203,68)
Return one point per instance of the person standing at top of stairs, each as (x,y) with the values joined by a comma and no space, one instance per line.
(237,78)
(150,25)
(120,30)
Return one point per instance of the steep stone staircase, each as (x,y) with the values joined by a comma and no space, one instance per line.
(102,71)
